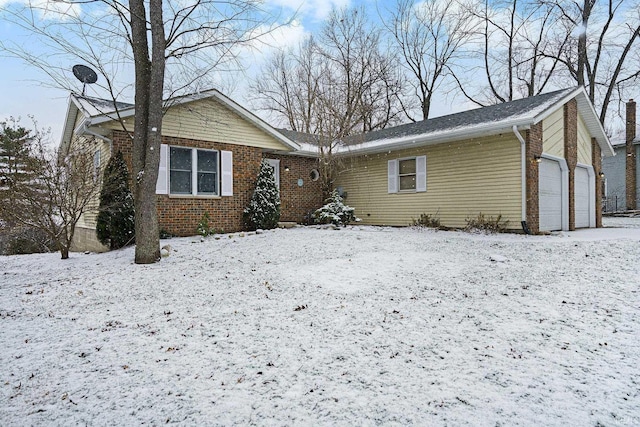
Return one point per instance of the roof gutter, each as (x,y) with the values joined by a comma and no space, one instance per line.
(83,129)
(443,137)
(523,172)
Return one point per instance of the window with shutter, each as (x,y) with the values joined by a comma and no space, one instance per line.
(192,171)
(407,175)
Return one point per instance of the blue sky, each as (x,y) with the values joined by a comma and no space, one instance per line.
(26,90)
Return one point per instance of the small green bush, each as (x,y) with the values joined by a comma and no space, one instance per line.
(487,224)
(204,227)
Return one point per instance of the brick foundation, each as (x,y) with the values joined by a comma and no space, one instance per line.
(533,148)
(571,153)
(180,215)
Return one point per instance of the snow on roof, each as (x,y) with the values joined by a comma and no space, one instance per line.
(102,110)
(97,106)
(505,112)
(478,122)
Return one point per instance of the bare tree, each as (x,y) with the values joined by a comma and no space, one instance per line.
(431,36)
(604,37)
(52,192)
(342,84)
(289,86)
(516,51)
(181,43)
(360,74)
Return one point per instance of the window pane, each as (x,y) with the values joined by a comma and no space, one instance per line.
(180,159)
(408,182)
(407,166)
(207,183)
(180,182)
(207,161)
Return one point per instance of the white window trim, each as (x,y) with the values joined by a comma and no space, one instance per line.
(275,164)
(194,173)
(408,190)
(393,175)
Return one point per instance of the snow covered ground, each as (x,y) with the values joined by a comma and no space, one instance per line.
(359,326)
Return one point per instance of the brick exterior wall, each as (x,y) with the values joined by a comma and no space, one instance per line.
(296,201)
(630,165)
(180,215)
(533,148)
(571,153)
(596,161)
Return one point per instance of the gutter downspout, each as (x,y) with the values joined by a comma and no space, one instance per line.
(523,177)
(84,129)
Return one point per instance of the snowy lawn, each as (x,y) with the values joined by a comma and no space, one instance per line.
(360,326)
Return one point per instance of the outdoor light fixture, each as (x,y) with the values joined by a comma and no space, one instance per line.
(286,168)
(536,159)
(601,174)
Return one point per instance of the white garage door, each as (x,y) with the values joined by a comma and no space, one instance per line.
(581,197)
(550,195)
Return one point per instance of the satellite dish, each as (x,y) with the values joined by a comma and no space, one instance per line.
(85,74)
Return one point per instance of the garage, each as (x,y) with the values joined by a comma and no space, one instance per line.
(550,194)
(582,197)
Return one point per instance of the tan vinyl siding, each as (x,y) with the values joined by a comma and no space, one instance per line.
(463,179)
(92,145)
(553,132)
(584,143)
(79,118)
(209,120)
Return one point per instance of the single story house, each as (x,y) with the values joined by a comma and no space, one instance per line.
(622,171)
(205,127)
(535,161)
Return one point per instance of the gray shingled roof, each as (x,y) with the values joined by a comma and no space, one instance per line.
(492,113)
(504,112)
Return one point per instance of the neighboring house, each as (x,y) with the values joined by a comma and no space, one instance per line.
(210,157)
(535,161)
(622,171)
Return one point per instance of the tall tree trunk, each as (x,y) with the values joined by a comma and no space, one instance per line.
(149,87)
(582,45)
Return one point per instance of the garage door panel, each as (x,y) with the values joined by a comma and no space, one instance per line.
(581,197)
(550,195)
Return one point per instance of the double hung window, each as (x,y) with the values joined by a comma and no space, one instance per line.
(193,171)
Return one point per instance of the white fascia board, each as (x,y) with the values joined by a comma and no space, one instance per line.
(69,120)
(440,138)
(113,116)
(589,115)
(592,120)
(212,93)
(553,107)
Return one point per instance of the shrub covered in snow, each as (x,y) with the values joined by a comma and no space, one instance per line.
(115,223)
(334,211)
(264,208)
